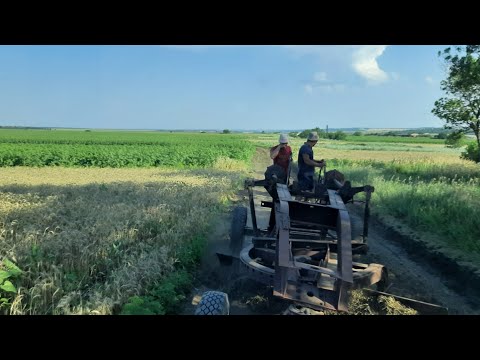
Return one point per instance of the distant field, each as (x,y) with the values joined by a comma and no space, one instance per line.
(119,149)
(395,139)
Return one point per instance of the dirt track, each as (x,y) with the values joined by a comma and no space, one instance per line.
(410,276)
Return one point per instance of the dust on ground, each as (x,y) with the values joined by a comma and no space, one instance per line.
(410,276)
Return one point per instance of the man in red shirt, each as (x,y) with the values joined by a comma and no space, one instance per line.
(281,153)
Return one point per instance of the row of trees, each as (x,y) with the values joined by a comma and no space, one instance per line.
(336,135)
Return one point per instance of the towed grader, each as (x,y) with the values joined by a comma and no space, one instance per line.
(306,253)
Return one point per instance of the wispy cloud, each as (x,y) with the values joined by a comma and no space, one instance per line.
(320,76)
(331,88)
(320,83)
(325,88)
(364,62)
(429,79)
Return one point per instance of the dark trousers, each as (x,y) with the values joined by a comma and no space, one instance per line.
(305,181)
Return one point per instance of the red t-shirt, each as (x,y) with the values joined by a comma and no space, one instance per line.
(283,157)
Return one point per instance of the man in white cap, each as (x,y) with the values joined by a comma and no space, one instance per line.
(306,163)
(281,153)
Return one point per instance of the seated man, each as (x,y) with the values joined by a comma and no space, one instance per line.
(306,163)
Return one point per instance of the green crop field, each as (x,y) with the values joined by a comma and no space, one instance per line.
(118,149)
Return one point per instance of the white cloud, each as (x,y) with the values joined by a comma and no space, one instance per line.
(429,79)
(364,62)
(362,58)
(308,89)
(320,76)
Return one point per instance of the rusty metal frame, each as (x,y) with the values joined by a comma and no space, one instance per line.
(283,257)
(304,222)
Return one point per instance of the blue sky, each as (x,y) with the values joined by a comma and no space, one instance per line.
(220,87)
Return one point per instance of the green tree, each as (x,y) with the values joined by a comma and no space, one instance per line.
(461,108)
(226,131)
(455,139)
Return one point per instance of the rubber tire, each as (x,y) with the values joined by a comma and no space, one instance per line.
(237,230)
(213,303)
(278,171)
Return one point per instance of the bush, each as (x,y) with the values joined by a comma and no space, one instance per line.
(471,153)
(455,139)
(337,135)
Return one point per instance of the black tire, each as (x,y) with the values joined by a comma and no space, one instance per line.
(237,230)
(213,303)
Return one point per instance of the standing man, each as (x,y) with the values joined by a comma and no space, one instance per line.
(306,163)
(281,153)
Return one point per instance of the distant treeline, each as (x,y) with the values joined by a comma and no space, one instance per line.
(25,127)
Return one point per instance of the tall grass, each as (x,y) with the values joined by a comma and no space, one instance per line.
(88,240)
(447,206)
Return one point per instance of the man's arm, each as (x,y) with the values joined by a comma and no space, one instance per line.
(309,162)
(274,152)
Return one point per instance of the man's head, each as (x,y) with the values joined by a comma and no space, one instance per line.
(283,139)
(312,138)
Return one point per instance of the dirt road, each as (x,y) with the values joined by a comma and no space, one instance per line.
(410,276)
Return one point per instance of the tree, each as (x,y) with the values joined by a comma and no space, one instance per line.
(461,108)
(226,131)
(455,139)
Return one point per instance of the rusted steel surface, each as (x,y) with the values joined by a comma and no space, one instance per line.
(307,255)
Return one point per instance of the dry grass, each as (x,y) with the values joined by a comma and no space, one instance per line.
(88,239)
(363,304)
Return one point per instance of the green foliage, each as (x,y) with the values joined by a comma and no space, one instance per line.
(471,153)
(168,296)
(442,135)
(165,298)
(441,199)
(357,133)
(226,131)
(321,133)
(455,139)
(461,108)
(109,149)
(393,139)
(337,135)
(8,270)
(145,305)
